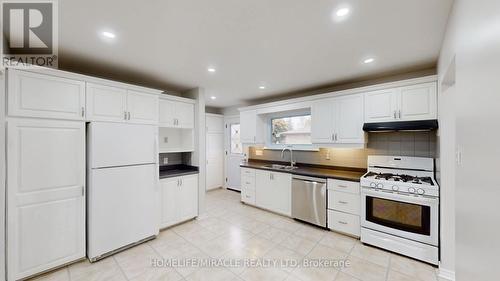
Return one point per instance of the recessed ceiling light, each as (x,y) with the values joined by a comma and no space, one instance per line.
(213,97)
(211,69)
(262,87)
(342,12)
(108,34)
(369,60)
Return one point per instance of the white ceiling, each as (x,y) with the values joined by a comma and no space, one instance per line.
(286,45)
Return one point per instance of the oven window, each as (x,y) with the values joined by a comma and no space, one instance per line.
(399,215)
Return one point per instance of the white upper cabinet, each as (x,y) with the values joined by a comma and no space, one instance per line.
(105,103)
(409,103)
(381,106)
(45,96)
(175,114)
(143,107)
(418,102)
(251,126)
(323,121)
(349,121)
(338,120)
(215,124)
(115,104)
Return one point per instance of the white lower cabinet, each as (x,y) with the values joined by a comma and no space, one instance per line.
(179,199)
(273,191)
(45,195)
(344,206)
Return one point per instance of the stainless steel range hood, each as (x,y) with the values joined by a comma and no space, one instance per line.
(423,125)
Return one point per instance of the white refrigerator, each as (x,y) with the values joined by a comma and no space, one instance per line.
(122,188)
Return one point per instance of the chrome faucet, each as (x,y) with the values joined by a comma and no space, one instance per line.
(291,155)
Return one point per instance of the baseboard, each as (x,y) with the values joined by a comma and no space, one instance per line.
(446,274)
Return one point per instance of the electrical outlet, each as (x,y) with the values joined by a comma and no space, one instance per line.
(327,155)
(165,160)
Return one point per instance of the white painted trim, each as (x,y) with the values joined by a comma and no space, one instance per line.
(402,83)
(176,98)
(446,274)
(214,115)
(86,78)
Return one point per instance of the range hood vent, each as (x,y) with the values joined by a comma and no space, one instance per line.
(424,125)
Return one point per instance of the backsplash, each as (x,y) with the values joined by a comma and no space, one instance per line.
(175,158)
(418,144)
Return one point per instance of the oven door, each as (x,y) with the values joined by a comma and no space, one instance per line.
(407,216)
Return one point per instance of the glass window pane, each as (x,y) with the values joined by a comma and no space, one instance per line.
(291,130)
(235,139)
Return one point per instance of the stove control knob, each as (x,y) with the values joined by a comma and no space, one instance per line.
(411,190)
(420,191)
(372,184)
(395,187)
(380,186)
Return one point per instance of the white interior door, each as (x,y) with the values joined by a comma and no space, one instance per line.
(45,195)
(233,153)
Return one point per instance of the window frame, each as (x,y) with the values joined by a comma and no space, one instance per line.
(268,138)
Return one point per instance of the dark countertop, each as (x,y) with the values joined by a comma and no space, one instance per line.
(319,171)
(177,170)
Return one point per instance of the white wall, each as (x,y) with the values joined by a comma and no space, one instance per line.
(473,39)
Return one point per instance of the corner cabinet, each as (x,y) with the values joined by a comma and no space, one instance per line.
(409,103)
(338,120)
(115,104)
(176,114)
(251,126)
(179,199)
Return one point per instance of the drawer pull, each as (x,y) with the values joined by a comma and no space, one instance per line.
(342,202)
(342,222)
(343,186)
(247,183)
(247,196)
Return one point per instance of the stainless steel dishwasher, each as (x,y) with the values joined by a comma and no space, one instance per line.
(309,199)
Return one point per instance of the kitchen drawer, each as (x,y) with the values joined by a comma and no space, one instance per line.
(248,196)
(247,172)
(344,202)
(343,222)
(344,186)
(247,182)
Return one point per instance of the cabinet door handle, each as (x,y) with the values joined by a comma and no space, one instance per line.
(247,183)
(83,111)
(399,113)
(342,202)
(128,115)
(342,222)
(125,117)
(395,114)
(343,186)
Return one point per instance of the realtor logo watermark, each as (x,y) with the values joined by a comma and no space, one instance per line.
(29,33)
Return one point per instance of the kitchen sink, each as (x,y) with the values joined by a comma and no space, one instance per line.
(279,167)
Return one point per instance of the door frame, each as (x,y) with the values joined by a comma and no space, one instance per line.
(228,119)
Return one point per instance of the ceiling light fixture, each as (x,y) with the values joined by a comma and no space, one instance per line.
(213,97)
(342,12)
(211,69)
(108,34)
(262,87)
(369,60)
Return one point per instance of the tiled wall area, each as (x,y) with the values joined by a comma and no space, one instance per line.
(419,144)
(175,158)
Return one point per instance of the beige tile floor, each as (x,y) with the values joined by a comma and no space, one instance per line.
(231,230)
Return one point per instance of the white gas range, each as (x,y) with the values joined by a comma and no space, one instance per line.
(400,206)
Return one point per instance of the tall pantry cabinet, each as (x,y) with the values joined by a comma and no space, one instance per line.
(45,172)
